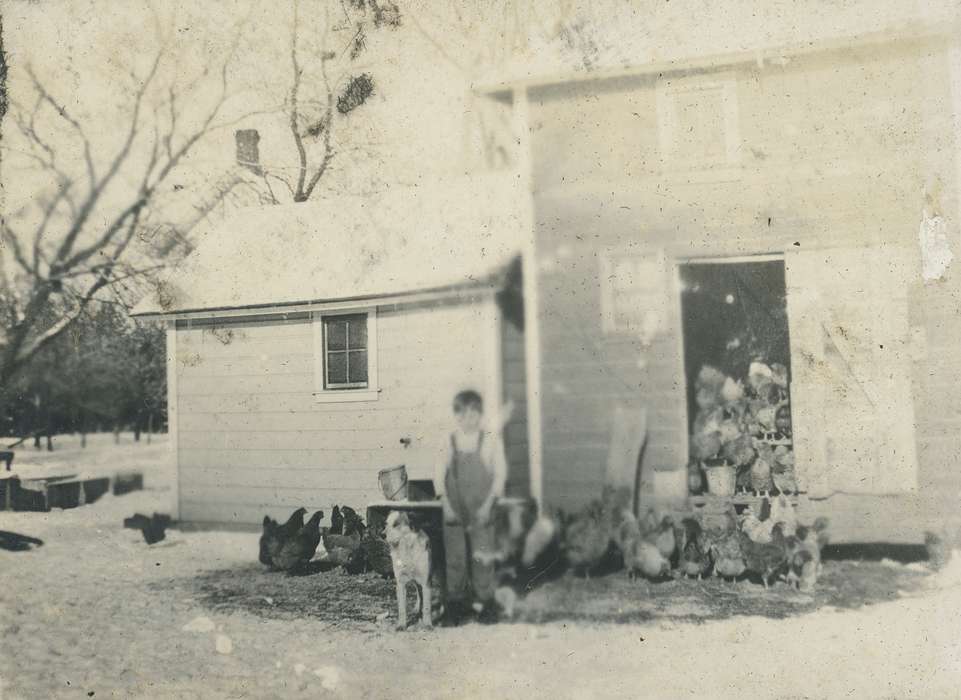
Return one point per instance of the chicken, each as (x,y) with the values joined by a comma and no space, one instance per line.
(761,481)
(538,540)
(758,530)
(782,420)
(340,548)
(782,473)
(726,556)
(300,548)
(765,559)
(813,539)
(274,536)
(627,533)
(739,451)
(705,445)
(783,512)
(642,556)
(664,538)
(336,522)
(732,391)
(268,541)
(353,523)
(586,539)
(371,554)
(153,528)
(694,559)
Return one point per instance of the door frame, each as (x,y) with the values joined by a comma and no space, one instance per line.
(676,262)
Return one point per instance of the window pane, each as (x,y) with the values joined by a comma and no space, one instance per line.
(336,334)
(336,368)
(357,332)
(358,366)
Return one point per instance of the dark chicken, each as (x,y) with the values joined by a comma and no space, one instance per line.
(299,548)
(336,522)
(275,536)
(153,528)
(766,558)
(695,557)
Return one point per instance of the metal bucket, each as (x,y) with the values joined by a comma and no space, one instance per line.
(393,483)
(721,480)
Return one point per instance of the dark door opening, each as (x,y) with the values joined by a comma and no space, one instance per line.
(736,365)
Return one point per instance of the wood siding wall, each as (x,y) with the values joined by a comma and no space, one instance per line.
(835,150)
(252,441)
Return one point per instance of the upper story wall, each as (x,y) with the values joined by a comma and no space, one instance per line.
(836,143)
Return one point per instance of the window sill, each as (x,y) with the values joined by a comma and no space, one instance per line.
(346,395)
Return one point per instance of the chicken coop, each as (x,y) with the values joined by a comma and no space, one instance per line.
(727,242)
(311,346)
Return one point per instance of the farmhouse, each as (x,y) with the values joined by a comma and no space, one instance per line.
(783,195)
(312,345)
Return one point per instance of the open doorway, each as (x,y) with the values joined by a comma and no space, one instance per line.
(736,363)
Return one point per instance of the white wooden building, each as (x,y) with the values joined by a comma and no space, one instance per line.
(311,345)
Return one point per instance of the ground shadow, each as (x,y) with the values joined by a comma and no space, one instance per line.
(367,601)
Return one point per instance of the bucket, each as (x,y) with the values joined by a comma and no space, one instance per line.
(721,479)
(393,482)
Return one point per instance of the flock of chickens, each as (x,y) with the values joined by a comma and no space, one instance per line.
(657,548)
(746,425)
(348,542)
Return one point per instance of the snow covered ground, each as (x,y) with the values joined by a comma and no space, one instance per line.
(97,613)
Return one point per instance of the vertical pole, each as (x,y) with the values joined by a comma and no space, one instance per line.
(532,340)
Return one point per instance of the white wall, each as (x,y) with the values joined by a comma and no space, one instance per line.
(252,441)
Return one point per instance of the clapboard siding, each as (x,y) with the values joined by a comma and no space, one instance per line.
(834,151)
(252,437)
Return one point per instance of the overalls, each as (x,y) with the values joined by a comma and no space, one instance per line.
(468,483)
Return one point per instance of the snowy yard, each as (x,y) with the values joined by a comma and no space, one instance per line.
(97,613)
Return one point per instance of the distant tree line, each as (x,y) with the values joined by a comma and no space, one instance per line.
(106,372)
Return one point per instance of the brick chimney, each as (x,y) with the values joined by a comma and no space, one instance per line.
(248,151)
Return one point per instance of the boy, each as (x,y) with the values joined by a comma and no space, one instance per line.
(470,476)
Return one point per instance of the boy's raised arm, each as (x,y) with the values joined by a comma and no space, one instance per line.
(499,459)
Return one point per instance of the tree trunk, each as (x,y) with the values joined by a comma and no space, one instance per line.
(36,440)
(116,435)
(49,442)
(149,426)
(136,431)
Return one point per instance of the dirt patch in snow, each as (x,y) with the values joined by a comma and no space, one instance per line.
(360,602)
(327,593)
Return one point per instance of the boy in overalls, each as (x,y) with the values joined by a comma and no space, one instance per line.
(470,476)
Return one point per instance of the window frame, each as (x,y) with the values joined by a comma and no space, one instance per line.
(326,394)
(668,126)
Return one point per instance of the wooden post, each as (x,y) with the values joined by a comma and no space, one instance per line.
(532,338)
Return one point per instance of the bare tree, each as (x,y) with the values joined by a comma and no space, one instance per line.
(78,244)
(340,86)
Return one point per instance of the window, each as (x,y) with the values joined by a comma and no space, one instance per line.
(633,297)
(698,123)
(345,356)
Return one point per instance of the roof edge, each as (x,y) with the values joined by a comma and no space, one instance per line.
(481,288)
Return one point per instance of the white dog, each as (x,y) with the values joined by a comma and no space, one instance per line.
(410,554)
